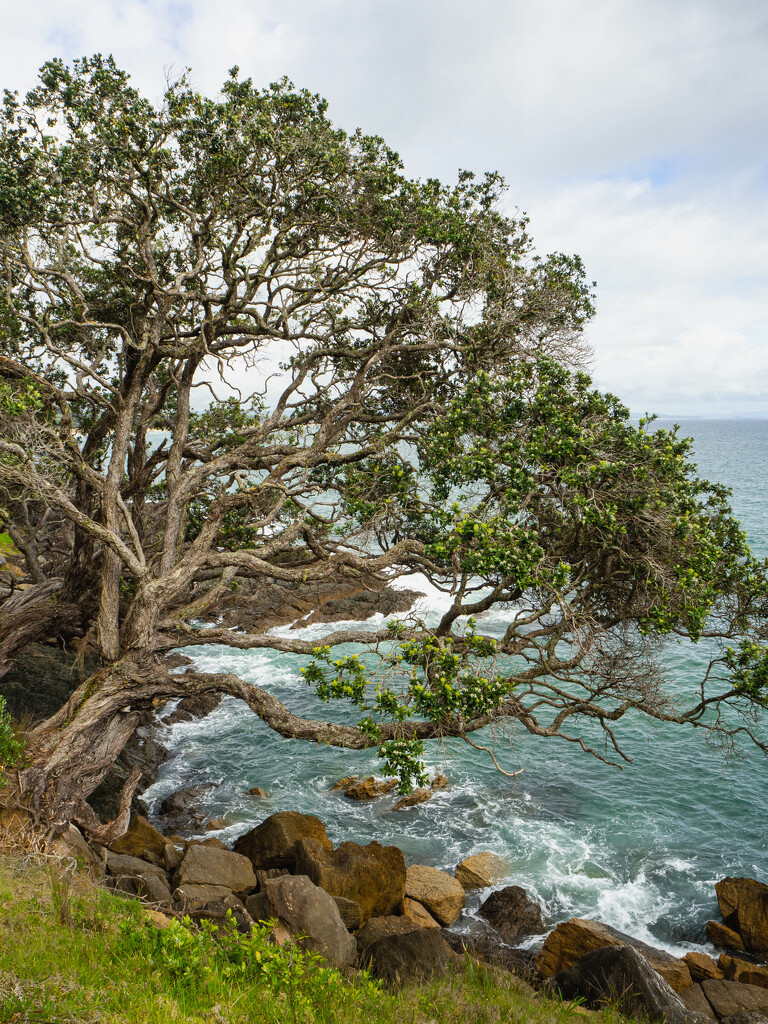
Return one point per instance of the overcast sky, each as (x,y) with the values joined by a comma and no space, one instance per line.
(633,132)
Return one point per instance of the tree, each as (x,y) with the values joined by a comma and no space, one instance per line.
(354,375)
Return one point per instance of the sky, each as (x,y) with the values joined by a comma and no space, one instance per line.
(632,132)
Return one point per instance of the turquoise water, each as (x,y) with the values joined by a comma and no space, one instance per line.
(639,849)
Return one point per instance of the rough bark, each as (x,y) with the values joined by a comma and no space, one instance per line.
(34,614)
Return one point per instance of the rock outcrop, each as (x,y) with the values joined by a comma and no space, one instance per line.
(373,876)
(513,914)
(574,939)
(411,957)
(274,843)
(481,870)
(744,905)
(436,890)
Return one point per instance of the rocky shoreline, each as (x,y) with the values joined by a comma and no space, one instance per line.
(361,906)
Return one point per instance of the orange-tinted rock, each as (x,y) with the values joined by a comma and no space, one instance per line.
(735,969)
(141,840)
(744,906)
(273,843)
(372,875)
(436,890)
(574,939)
(421,917)
(481,870)
(702,966)
(722,936)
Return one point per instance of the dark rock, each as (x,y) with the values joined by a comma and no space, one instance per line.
(372,875)
(728,998)
(123,865)
(192,896)
(182,811)
(513,914)
(273,843)
(153,889)
(196,706)
(351,914)
(258,906)
(414,956)
(619,974)
(745,1018)
(378,928)
(489,951)
(208,865)
(574,939)
(311,917)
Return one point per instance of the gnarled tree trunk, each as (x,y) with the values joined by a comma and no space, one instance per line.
(35,614)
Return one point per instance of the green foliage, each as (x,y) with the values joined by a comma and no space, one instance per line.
(749,671)
(11,749)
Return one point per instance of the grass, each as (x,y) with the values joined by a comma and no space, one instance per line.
(71,952)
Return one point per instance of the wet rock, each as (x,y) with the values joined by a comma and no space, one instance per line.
(415,956)
(481,870)
(258,791)
(372,875)
(311,916)
(513,914)
(702,966)
(208,865)
(344,783)
(421,796)
(215,824)
(728,998)
(273,843)
(744,905)
(574,939)
(436,890)
(694,1000)
(369,789)
(735,969)
(190,708)
(142,840)
(182,810)
(421,917)
(378,928)
(620,973)
(723,937)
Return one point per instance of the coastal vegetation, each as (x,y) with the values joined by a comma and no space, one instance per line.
(240,349)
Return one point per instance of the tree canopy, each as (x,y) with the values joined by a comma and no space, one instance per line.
(241,349)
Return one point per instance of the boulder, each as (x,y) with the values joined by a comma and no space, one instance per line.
(619,974)
(153,889)
(702,966)
(723,937)
(141,840)
(372,875)
(344,783)
(489,951)
(264,874)
(71,845)
(414,956)
(172,857)
(731,997)
(191,896)
(369,789)
(182,809)
(420,796)
(695,1001)
(513,914)
(208,865)
(272,844)
(258,791)
(215,824)
(572,940)
(421,917)
(481,870)
(745,1018)
(436,890)
(122,865)
(744,906)
(311,916)
(350,911)
(742,970)
(378,928)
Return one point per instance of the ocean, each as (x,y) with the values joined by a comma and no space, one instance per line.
(639,848)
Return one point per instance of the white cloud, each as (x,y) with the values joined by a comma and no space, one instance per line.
(630,130)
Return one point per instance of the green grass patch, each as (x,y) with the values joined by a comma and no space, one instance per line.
(72,952)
